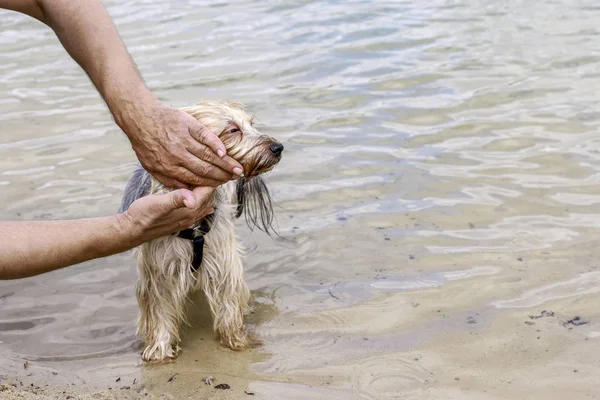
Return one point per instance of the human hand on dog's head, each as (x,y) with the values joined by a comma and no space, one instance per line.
(175,148)
(157,215)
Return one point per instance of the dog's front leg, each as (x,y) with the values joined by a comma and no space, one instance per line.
(227,293)
(163,284)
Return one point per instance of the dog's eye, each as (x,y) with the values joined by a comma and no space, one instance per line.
(234,130)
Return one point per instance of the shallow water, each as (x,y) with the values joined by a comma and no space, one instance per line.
(440,184)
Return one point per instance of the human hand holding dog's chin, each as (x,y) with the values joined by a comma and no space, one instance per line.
(175,148)
(162,214)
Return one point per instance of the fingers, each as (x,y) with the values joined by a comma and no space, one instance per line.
(191,179)
(203,193)
(161,214)
(197,203)
(183,198)
(197,180)
(206,137)
(206,212)
(199,198)
(169,182)
(226,164)
(179,161)
(205,170)
(204,196)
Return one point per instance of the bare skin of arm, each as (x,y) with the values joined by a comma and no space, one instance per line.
(170,144)
(32,248)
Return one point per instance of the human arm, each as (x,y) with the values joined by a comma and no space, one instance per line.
(170,144)
(30,248)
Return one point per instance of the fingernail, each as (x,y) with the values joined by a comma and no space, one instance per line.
(221,153)
(238,171)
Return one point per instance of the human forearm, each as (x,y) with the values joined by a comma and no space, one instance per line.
(31,248)
(170,144)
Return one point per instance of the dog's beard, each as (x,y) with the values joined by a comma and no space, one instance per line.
(259,164)
(254,201)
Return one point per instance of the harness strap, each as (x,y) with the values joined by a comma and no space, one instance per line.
(196,235)
(198,243)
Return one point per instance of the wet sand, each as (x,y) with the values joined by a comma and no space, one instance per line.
(438,201)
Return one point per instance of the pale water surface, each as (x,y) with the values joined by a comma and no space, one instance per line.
(441,183)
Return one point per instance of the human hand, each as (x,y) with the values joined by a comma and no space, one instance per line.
(175,148)
(162,214)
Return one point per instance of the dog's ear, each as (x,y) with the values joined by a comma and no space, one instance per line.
(254,201)
(137,187)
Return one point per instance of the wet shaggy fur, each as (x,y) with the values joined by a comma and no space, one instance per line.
(165,276)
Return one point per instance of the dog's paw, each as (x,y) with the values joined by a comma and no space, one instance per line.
(159,353)
(240,340)
(253,340)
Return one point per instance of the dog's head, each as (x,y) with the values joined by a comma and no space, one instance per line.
(256,152)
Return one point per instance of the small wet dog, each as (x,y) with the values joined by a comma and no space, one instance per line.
(208,255)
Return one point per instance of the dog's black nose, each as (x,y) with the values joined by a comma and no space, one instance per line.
(276,148)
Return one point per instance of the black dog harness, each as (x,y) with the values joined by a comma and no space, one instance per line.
(196,235)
